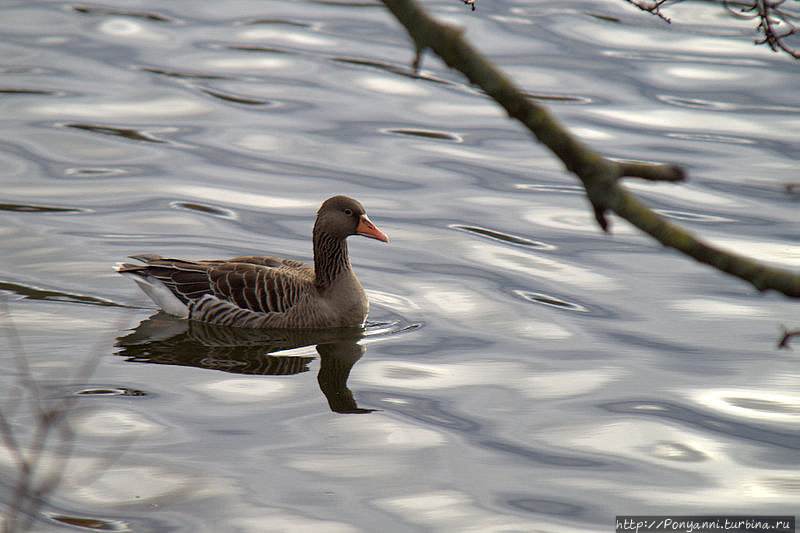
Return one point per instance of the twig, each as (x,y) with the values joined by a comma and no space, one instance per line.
(787,336)
(599,175)
(653,6)
(770,14)
(651,171)
(52,435)
(20,359)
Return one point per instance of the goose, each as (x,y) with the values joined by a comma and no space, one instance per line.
(268,292)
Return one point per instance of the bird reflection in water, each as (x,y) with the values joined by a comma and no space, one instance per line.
(162,339)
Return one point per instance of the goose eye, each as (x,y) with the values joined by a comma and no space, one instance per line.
(348,212)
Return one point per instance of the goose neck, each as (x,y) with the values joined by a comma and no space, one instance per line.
(330,258)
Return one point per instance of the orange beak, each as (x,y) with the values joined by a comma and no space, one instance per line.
(367,229)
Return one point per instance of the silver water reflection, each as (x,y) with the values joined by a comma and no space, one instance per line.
(165,340)
(562,375)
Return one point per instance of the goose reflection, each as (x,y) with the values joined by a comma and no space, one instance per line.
(162,339)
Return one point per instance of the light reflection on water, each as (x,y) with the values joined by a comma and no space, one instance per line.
(144,106)
(761,405)
(520,369)
(782,253)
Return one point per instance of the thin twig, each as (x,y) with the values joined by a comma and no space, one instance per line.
(52,435)
(653,6)
(787,336)
(770,13)
(20,359)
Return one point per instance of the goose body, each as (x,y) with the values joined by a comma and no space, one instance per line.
(268,292)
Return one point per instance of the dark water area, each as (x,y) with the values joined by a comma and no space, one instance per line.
(520,370)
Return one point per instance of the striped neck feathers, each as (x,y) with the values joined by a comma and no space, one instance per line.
(330,258)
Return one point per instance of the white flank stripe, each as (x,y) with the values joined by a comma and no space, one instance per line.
(160,294)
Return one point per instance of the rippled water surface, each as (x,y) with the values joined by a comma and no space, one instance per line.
(521,371)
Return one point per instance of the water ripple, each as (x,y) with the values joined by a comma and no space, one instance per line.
(504,237)
(699,103)
(89,523)
(218,212)
(8,90)
(107,11)
(691,217)
(550,301)
(432,412)
(394,327)
(676,451)
(652,342)
(110,391)
(426,410)
(267,49)
(428,134)
(128,133)
(561,98)
(35,293)
(286,22)
(708,137)
(696,103)
(543,457)
(754,404)
(237,99)
(735,429)
(673,57)
(391,311)
(95,172)
(550,507)
(391,68)
(546,187)
(32,208)
(184,75)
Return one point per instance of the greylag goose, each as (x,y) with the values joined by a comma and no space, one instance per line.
(268,292)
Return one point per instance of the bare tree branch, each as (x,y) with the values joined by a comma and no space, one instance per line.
(775,22)
(599,175)
(653,6)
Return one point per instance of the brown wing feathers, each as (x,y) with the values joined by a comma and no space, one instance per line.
(262,284)
(255,283)
(187,280)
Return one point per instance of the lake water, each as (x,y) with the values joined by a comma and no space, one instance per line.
(521,371)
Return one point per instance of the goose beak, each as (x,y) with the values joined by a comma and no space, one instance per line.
(367,229)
